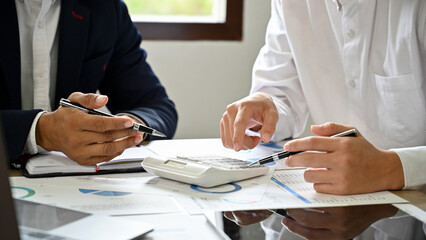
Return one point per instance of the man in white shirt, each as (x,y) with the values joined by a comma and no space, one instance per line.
(53,49)
(358,63)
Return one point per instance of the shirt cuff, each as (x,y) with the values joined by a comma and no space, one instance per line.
(414,166)
(31,146)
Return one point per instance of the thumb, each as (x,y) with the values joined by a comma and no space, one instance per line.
(329,129)
(90,100)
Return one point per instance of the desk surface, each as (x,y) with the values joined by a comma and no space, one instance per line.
(355,222)
(350,221)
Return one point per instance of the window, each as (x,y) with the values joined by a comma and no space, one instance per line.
(188,19)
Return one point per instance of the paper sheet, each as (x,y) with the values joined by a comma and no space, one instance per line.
(146,184)
(92,199)
(287,189)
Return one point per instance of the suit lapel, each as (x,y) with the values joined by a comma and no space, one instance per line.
(73,31)
(10,52)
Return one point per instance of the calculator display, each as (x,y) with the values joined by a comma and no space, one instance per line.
(175,164)
(218,161)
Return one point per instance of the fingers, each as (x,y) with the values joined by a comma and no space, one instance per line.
(89,100)
(225,131)
(101,152)
(329,129)
(269,125)
(108,136)
(250,142)
(311,160)
(242,118)
(319,175)
(323,144)
(102,124)
(255,111)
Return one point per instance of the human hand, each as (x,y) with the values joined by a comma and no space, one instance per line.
(335,222)
(86,139)
(244,218)
(345,165)
(256,112)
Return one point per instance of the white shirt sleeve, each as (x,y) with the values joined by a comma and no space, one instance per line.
(31,147)
(275,73)
(414,166)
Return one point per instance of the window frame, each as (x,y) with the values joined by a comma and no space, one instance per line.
(231,30)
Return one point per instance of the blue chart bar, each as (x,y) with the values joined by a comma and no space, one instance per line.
(291,190)
(103,193)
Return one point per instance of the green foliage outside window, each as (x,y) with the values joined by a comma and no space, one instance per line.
(170,7)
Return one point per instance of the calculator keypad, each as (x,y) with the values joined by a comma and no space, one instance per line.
(216,161)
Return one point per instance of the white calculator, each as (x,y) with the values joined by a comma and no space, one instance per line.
(204,171)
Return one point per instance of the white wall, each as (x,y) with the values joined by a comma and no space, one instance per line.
(203,77)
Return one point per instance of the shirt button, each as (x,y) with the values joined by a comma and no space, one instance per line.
(40,74)
(40,25)
(352,83)
(350,34)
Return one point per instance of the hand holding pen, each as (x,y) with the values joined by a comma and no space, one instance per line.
(285,154)
(136,126)
(86,138)
(344,165)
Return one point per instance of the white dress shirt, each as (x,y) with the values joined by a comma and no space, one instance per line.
(363,64)
(38,24)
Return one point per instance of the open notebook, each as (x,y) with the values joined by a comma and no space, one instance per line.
(57,164)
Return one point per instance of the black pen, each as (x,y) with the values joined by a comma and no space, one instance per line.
(284,154)
(136,126)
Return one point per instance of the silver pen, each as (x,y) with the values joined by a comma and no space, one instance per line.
(284,154)
(136,126)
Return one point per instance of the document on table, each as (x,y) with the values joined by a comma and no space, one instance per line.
(146,184)
(96,199)
(287,189)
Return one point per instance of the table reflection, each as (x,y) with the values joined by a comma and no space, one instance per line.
(355,222)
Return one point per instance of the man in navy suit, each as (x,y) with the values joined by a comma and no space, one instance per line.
(52,49)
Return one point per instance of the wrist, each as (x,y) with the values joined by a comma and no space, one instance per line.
(41,131)
(394,174)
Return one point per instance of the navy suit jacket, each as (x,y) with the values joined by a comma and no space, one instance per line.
(99,48)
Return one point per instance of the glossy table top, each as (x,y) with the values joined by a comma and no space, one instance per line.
(357,222)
